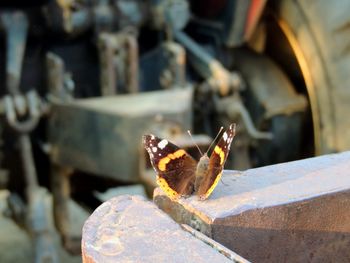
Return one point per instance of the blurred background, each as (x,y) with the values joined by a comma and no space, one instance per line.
(83,80)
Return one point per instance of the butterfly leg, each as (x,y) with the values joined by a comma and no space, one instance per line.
(222,181)
(202,197)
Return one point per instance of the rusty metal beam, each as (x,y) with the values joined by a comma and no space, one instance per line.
(99,135)
(119,55)
(295,212)
(208,67)
(15,25)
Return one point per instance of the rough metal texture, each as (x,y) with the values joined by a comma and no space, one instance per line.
(291,212)
(98,135)
(130,229)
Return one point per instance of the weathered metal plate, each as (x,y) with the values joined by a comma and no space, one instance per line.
(291,212)
(103,135)
(130,229)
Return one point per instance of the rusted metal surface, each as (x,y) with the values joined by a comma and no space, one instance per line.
(223,250)
(110,126)
(62,217)
(174,72)
(36,216)
(293,212)
(59,83)
(132,59)
(208,67)
(37,221)
(254,14)
(233,107)
(272,102)
(235,32)
(22,115)
(118,54)
(128,228)
(273,89)
(16,28)
(17,106)
(230,105)
(175,14)
(78,50)
(108,75)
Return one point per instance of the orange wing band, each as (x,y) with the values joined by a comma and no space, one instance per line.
(171,156)
(172,194)
(221,153)
(211,189)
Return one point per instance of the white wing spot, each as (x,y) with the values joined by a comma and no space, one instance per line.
(224,136)
(152,137)
(154,149)
(162,144)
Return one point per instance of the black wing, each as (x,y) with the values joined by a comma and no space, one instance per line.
(174,166)
(216,163)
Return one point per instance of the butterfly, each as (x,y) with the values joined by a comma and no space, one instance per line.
(179,174)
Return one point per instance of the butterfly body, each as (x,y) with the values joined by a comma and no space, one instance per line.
(181,175)
(201,171)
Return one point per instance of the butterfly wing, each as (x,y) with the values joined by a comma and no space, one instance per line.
(216,163)
(174,166)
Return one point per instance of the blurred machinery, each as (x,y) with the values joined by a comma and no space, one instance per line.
(83,80)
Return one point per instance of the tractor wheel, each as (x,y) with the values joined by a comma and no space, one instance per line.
(310,40)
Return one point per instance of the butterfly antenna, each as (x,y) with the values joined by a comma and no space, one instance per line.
(189,132)
(214,139)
